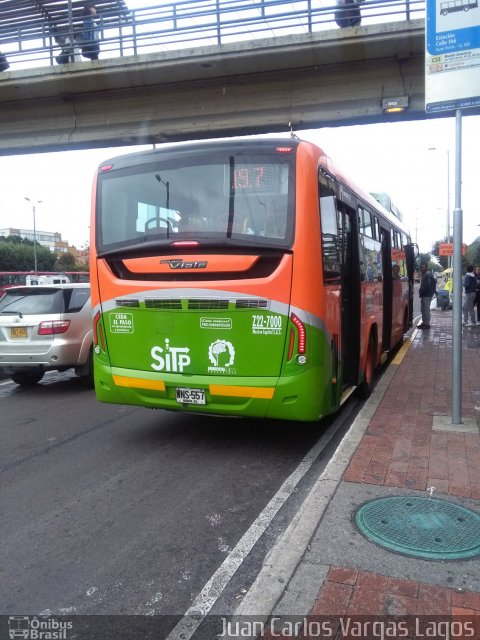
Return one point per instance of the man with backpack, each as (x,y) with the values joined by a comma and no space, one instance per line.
(428,288)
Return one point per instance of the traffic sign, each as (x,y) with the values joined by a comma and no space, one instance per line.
(446,249)
(452,56)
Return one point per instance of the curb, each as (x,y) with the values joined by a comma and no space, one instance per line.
(283,559)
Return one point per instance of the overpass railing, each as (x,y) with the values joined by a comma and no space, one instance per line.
(187,24)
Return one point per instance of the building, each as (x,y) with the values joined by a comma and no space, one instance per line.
(50,240)
(82,256)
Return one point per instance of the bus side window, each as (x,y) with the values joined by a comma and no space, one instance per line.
(365,222)
(330,239)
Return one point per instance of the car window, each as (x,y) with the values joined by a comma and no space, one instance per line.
(77,299)
(32,301)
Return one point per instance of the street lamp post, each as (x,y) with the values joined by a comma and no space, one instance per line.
(447,225)
(34,205)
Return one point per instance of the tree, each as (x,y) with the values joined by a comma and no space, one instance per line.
(422,258)
(18,255)
(472,254)
(14,239)
(443,260)
(66,262)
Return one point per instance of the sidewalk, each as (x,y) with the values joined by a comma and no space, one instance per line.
(401,444)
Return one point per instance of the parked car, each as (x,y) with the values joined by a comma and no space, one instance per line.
(45,328)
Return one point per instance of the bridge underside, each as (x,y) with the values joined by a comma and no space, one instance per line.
(336,77)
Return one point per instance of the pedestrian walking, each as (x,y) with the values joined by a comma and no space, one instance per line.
(477,297)
(428,288)
(347,13)
(69,52)
(3,62)
(470,287)
(89,36)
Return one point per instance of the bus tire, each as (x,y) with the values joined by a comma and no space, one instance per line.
(27,378)
(366,386)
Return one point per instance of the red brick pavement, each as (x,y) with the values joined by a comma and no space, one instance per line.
(399,448)
(351,592)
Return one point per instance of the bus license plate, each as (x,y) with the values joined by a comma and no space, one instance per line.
(18,332)
(190,396)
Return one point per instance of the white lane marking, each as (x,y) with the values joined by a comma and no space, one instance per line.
(212,590)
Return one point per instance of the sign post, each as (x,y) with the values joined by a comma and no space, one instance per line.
(457,280)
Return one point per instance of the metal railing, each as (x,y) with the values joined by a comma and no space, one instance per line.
(196,23)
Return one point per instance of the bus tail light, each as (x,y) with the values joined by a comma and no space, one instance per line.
(97,330)
(51,327)
(185,243)
(302,339)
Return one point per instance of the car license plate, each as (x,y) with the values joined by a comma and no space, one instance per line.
(190,396)
(18,332)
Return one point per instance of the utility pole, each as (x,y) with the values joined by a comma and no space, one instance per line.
(34,204)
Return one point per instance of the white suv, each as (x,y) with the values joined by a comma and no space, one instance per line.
(44,328)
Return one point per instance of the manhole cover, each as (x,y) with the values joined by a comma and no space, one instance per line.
(421,527)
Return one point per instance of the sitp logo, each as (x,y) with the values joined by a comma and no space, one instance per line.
(171,359)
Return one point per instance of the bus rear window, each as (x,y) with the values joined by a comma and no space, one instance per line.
(247,198)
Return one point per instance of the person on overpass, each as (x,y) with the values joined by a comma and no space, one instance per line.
(90,34)
(347,13)
(69,51)
(3,62)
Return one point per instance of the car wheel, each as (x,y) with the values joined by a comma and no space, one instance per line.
(28,378)
(88,379)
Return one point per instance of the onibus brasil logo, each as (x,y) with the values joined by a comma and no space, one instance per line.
(37,628)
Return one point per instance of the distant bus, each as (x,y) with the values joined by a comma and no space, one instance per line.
(14,278)
(457,5)
(242,277)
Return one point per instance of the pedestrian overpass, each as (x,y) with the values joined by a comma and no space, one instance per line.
(241,75)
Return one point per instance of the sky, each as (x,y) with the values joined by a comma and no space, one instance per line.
(408,160)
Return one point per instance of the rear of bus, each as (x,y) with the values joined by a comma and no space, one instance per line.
(197,285)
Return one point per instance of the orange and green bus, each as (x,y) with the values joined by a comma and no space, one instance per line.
(242,277)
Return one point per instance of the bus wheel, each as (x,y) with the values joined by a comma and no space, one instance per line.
(28,378)
(366,386)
